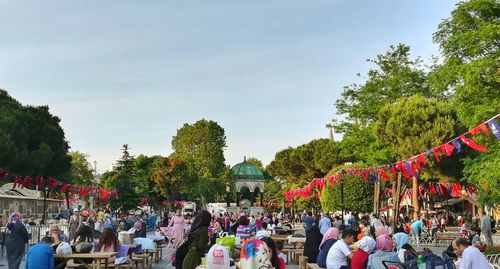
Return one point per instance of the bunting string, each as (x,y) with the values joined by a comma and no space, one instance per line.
(408,168)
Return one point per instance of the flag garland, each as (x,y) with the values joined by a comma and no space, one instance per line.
(102,195)
(410,167)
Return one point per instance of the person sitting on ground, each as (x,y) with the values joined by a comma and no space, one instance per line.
(108,243)
(385,247)
(313,240)
(472,258)
(327,242)
(41,255)
(263,232)
(276,262)
(339,252)
(281,255)
(360,257)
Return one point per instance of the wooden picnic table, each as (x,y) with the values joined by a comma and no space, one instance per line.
(100,257)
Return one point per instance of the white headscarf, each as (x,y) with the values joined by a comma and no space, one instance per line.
(367,244)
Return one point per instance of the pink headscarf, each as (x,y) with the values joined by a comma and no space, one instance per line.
(330,233)
(14,217)
(384,243)
(380,230)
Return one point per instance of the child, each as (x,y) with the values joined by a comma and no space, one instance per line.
(41,255)
(279,248)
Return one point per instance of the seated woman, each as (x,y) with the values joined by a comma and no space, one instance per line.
(331,236)
(273,253)
(108,243)
(385,247)
(83,242)
(401,239)
(255,254)
(360,257)
(244,231)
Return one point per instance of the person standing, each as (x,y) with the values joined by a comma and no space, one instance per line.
(16,239)
(472,258)
(198,238)
(416,228)
(74,223)
(308,221)
(486,229)
(178,225)
(324,224)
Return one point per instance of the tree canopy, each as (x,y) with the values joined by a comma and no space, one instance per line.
(31,140)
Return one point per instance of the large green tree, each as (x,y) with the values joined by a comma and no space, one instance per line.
(201,145)
(414,125)
(470,42)
(32,141)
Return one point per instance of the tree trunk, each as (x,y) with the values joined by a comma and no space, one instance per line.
(416,207)
(376,197)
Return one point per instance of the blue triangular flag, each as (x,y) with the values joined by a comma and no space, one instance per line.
(495,128)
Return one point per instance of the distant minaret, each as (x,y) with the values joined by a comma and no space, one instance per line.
(330,135)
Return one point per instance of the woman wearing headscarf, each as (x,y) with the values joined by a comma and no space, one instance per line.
(330,237)
(198,238)
(360,257)
(385,247)
(15,240)
(311,247)
(255,254)
(401,239)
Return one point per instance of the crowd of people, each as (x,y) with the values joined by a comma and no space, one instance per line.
(362,241)
(356,241)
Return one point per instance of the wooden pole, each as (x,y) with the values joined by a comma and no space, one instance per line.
(416,206)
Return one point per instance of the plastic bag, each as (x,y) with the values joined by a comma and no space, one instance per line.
(228,241)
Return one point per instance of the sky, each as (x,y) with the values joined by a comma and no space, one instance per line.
(134,72)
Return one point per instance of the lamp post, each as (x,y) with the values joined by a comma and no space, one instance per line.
(46,192)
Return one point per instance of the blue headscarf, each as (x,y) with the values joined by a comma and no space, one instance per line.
(401,239)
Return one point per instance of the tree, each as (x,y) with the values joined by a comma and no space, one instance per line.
(414,125)
(170,176)
(201,145)
(358,195)
(31,140)
(299,165)
(396,76)
(470,42)
(81,173)
(123,180)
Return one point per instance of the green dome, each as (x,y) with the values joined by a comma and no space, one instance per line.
(247,170)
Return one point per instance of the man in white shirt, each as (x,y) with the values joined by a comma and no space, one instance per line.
(339,252)
(472,258)
(264,232)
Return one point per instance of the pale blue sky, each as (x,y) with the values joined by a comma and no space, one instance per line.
(133,72)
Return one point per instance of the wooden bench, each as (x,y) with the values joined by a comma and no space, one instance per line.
(313,266)
(445,236)
(145,259)
(72,264)
(293,254)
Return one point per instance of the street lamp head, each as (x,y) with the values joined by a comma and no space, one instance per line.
(46,188)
